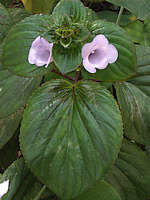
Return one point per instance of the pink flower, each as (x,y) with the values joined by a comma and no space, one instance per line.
(40,52)
(4,188)
(98,53)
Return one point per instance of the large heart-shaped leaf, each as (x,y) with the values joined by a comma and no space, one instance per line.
(142,78)
(141,8)
(70,135)
(18,43)
(134,105)
(130,174)
(8,126)
(14,92)
(22,184)
(38,6)
(126,65)
(100,191)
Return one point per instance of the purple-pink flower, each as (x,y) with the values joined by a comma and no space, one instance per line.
(98,54)
(40,52)
(4,188)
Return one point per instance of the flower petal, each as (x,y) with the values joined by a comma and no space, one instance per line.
(32,56)
(4,188)
(88,66)
(36,41)
(112,53)
(102,64)
(87,49)
(100,40)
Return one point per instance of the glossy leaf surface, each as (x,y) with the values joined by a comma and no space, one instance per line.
(131,175)
(142,78)
(134,105)
(70,135)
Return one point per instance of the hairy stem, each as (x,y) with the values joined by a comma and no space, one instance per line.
(119,15)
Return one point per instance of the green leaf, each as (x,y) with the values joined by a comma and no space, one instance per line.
(9,152)
(100,191)
(67,59)
(5,22)
(14,92)
(142,78)
(130,174)
(134,105)
(23,185)
(18,14)
(141,8)
(126,65)
(70,135)
(38,6)
(18,44)
(8,126)
(72,8)
(136,31)
(111,16)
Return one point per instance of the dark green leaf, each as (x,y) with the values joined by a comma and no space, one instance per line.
(134,105)
(18,43)
(70,135)
(67,59)
(14,92)
(9,152)
(100,191)
(23,185)
(142,78)
(126,65)
(72,8)
(136,31)
(8,126)
(141,8)
(130,174)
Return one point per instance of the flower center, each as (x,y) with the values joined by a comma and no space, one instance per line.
(96,56)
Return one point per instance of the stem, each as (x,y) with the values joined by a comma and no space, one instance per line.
(63,75)
(40,193)
(119,15)
(77,76)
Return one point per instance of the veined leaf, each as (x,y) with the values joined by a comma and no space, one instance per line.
(134,105)
(130,175)
(70,135)
(142,78)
